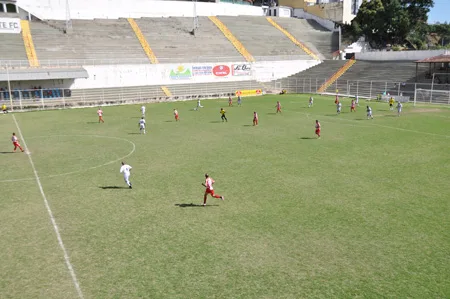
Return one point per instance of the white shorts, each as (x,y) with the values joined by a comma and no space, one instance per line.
(399,110)
(142,127)
(369,113)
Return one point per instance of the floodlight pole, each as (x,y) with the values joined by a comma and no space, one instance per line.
(195,18)
(9,87)
(68,19)
(432,84)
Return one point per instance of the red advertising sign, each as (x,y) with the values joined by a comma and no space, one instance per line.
(221,70)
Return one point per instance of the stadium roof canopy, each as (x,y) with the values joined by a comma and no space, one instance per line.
(29,74)
(436,59)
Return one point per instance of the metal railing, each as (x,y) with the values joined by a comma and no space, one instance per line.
(65,63)
(369,89)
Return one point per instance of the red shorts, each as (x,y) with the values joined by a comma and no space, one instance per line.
(16,144)
(317,131)
(176,117)
(209,191)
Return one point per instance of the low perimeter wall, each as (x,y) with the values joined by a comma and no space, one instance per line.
(399,55)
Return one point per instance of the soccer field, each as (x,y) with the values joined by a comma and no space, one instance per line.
(362,212)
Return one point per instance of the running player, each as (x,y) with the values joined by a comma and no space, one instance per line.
(352,107)
(198,105)
(142,125)
(230,102)
(369,112)
(223,117)
(100,115)
(278,107)
(255,118)
(399,108)
(4,109)
(339,107)
(175,113)
(126,170)
(239,101)
(311,102)
(317,128)
(143,111)
(15,142)
(336,101)
(208,184)
(391,104)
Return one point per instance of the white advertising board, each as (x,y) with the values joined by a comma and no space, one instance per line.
(10,25)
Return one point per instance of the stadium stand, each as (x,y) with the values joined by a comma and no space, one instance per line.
(188,91)
(11,47)
(312,35)
(261,38)
(89,39)
(172,40)
(315,76)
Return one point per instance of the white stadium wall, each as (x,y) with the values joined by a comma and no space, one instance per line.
(399,55)
(108,76)
(114,9)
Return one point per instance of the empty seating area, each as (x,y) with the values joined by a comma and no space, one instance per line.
(312,34)
(172,40)
(312,78)
(261,38)
(112,41)
(11,47)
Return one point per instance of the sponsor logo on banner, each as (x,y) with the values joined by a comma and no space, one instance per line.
(252,92)
(202,70)
(242,69)
(180,73)
(221,70)
(10,25)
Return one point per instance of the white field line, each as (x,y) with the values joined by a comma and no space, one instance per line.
(82,170)
(52,218)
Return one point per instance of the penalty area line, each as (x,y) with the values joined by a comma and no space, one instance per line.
(50,213)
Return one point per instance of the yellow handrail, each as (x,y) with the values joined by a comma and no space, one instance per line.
(236,43)
(336,75)
(293,39)
(29,44)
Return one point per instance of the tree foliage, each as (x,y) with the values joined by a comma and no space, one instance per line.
(384,22)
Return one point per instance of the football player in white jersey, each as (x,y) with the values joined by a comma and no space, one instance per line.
(208,184)
(126,170)
(369,112)
(399,108)
(142,125)
(143,110)
(339,107)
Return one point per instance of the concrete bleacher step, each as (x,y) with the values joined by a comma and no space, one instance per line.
(98,39)
(312,34)
(260,37)
(12,47)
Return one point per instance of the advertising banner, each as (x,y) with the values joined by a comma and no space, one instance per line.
(221,70)
(202,70)
(181,73)
(10,25)
(242,69)
(246,93)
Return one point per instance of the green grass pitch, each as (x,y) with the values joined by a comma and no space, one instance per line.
(361,213)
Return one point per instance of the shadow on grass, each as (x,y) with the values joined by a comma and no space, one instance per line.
(134,133)
(113,187)
(168,121)
(247,125)
(307,138)
(391,115)
(193,205)
(271,113)
(92,122)
(7,152)
(216,121)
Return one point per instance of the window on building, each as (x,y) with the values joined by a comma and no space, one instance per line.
(11,8)
(2,9)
